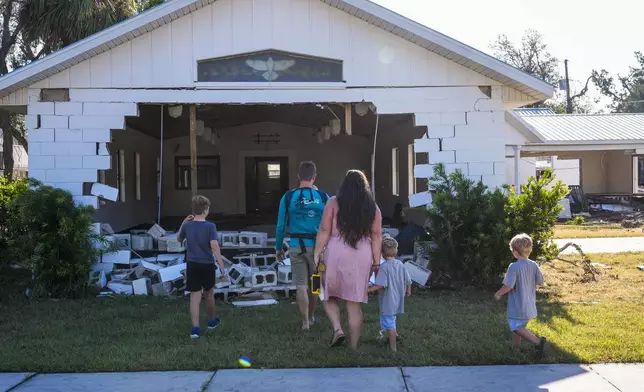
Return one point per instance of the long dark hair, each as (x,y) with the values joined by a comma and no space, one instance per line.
(356,208)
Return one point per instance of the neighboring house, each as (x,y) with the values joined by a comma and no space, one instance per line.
(276,82)
(20,158)
(600,152)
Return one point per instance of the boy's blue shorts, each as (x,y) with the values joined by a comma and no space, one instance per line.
(517,324)
(387,322)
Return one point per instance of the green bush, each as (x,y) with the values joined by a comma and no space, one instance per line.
(576,221)
(53,238)
(8,192)
(471,226)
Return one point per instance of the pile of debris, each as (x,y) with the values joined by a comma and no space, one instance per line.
(118,272)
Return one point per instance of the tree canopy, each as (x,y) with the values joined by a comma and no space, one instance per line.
(626,92)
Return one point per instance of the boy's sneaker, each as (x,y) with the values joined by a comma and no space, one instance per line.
(213,324)
(541,348)
(194,334)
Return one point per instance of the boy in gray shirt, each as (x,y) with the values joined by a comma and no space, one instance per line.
(393,283)
(521,283)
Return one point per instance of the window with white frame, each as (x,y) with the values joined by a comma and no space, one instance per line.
(137,172)
(395,171)
(120,174)
(411,162)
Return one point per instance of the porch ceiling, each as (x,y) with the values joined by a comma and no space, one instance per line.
(218,117)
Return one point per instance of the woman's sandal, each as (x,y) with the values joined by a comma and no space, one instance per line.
(337,339)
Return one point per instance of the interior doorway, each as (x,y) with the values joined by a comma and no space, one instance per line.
(267,179)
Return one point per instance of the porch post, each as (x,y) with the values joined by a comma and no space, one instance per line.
(517,159)
(193,149)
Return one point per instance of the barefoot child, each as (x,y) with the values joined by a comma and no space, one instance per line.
(201,236)
(521,283)
(393,283)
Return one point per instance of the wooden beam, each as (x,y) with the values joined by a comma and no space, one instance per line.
(347,118)
(193,149)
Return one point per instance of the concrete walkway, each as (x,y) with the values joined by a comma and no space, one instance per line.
(605,245)
(552,378)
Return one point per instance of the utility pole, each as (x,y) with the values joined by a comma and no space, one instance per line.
(568,100)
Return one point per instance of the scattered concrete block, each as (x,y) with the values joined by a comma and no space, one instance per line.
(123,240)
(156,232)
(105,191)
(118,257)
(284,274)
(252,239)
(417,273)
(420,199)
(255,299)
(147,270)
(163,288)
(106,228)
(120,287)
(264,278)
(170,274)
(247,259)
(229,239)
(98,278)
(137,261)
(142,242)
(237,272)
(263,261)
(105,267)
(169,243)
(170,259)
(222,282)
(142,286)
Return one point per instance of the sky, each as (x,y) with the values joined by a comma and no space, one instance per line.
(591,34)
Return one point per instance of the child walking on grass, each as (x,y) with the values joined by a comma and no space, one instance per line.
(202,244)
(521,283)
(393,283)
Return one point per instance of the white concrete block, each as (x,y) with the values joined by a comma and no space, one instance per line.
(427,119)
(487,154)
(118,257)
(284,274)
(54,121)
(75,188)
(105,267)
(40,175)
(100,162)
(420,199)
(417,273)
(423,171)
(480,131)
(97,135)
(68,148)
(109,109)
(40,108)
(426,145)
(471,143)
(72,175)
(31,121)
(442,157)
(173,273)
(494,181)
(499,168)
(120,287)
(440,131)
(164,288)
(453,118)
(103,149)
(498,117)
(237,272)
(142,286)
(147,269)
(453,167)
(97,122)
(34,147)
(105,191)
(264,278)
(479,118)
(155,231)
(69,108)
(33,93)
(41,162)
(142,242)
(488,104)
(40,135)
(68,135)
(87,201)
(486,168)
(69,162)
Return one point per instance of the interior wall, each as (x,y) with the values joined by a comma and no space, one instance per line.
(527,169)
(333,158)
(567,170)
(400,137)
(620,172)
(132,212)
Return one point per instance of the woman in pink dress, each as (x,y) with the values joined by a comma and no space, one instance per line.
(350,236)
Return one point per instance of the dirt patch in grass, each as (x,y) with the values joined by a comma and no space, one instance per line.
(599,231)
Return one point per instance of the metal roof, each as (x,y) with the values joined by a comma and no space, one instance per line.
(364,9)
(533,111)
(557,128)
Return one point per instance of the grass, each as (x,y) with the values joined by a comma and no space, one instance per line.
(595,231)
(463,327)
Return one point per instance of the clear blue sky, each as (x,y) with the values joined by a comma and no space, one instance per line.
(591,34)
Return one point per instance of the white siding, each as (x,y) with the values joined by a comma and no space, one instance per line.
(167,56)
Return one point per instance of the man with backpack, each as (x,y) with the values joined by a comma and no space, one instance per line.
(301,211)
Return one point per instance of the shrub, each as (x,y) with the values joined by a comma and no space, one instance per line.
(535,212)
(52,237)
(576,221)
(9,190)
(471,226)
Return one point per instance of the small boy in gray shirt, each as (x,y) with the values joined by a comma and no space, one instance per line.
(521,283)
(393,283)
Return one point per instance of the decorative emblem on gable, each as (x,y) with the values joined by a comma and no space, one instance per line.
(270,66)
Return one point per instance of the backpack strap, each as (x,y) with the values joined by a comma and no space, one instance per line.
(287,201)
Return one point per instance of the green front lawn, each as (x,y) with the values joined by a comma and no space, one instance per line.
(440,328)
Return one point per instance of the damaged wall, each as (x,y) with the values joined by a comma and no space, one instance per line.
(333,158)
(604,171)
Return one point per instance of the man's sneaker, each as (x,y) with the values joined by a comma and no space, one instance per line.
(214,323)
(194,334)
(541,348)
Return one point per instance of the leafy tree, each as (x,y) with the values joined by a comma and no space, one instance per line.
(626,92)
(143,5)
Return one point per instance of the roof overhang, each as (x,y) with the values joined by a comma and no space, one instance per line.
(363,9)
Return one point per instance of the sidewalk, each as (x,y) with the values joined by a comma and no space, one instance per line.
(552,378)
(605,245)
